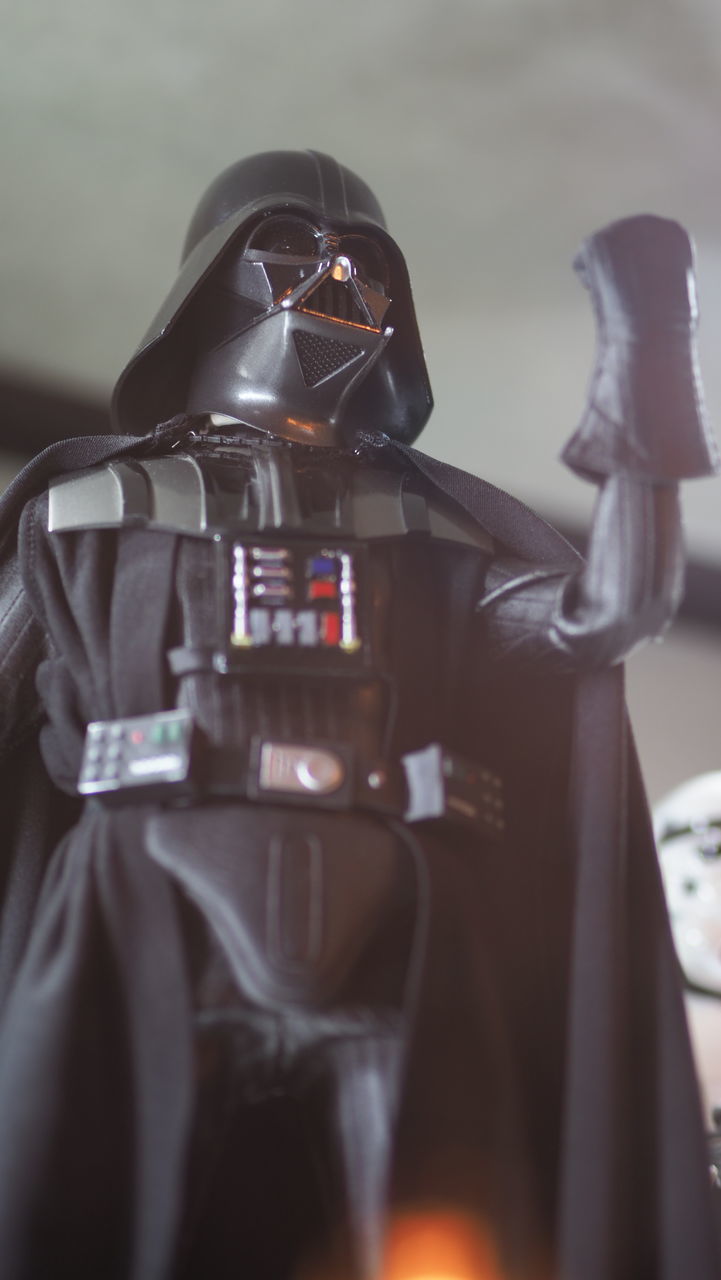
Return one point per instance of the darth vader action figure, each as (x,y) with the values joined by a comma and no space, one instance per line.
(329,896)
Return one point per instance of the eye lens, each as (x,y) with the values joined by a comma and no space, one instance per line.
(368,258)
(285,235)
(710,850)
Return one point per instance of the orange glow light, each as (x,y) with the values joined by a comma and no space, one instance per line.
(439,1245)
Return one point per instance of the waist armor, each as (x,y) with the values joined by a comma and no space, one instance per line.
(305,910)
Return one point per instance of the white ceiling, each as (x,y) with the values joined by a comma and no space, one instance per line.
(497,134)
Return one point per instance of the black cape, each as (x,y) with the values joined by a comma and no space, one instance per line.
(599,1047)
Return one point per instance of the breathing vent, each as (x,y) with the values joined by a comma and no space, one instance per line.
(320,357)
(336,300)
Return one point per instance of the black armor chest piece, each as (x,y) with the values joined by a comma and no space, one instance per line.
(293,526)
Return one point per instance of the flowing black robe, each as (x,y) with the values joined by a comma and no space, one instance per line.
(548,989)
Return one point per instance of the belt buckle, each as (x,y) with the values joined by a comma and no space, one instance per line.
(301,772)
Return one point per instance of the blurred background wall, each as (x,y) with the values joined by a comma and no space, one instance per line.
(497,134)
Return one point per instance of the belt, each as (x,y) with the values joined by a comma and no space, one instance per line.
(164,758)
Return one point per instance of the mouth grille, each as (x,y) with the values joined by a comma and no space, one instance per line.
(334,299)
(320,357)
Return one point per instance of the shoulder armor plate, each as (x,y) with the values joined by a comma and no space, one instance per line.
(168,492)
(173,493)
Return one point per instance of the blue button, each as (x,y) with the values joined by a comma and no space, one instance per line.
(322,564)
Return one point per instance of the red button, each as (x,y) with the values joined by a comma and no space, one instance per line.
(331,628)
(322,591)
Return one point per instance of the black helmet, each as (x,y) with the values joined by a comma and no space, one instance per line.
(263,210)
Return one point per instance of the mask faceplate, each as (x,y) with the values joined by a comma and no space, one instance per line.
(267,226)
(289,327)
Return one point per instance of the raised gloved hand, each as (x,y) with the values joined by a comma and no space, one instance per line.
(645,414)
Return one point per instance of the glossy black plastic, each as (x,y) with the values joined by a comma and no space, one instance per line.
(395,393)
